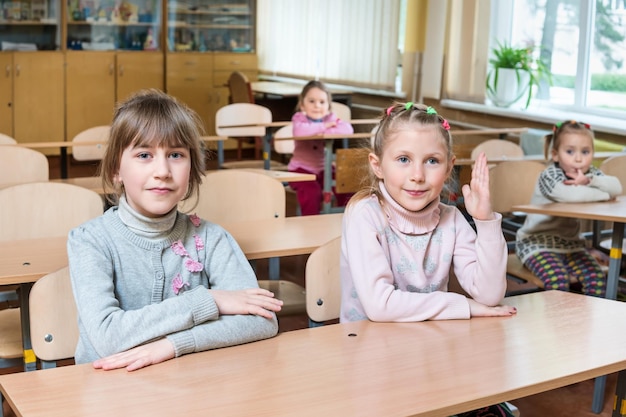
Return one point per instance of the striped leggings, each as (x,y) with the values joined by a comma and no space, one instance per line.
(557,270)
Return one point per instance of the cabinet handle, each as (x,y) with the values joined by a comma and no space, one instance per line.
(235,62)
(190,63)
(190,78)
(111,69)
(8,70)
(17,70)
(121,70)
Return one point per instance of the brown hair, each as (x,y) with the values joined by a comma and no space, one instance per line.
(308,87)
(151,117)
(399,117)
(552,141)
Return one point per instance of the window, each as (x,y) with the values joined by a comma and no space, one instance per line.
(349,42)
(583,42)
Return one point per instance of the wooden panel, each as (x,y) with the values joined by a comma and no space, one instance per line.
(137,71)
(235,62)
(90,90)
(352,169)
(6,93)
(39,92)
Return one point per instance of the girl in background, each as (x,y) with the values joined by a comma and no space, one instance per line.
(551,246)
(313,118)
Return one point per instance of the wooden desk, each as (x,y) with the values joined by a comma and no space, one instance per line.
(25,261)
(540,158)
(63,145)
(609,211)
(433,368)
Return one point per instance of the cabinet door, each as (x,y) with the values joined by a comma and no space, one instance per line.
(39,93)
(6,93)
(190,79)
(137,71)
(90,90)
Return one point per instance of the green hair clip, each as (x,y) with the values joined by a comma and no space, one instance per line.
(408,105)
(430,110)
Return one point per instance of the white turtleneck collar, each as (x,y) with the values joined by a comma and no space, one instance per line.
(410,222)
(146,226)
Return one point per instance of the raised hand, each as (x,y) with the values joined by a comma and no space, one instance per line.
(476,194)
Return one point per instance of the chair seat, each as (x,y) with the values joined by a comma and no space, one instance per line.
(516,268)
(292,294)
(10,334)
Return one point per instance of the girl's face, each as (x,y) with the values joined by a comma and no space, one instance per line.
(155,179)
(414,166)
(315,104)
(575,153)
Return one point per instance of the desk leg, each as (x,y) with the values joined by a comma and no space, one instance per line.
(63,162)
(619,404)
(220,154)
(328,176)
(30,361)
(267,148)
(612,283)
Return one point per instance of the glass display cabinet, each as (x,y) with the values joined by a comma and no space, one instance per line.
(29,25)
(99,25)
(211,26)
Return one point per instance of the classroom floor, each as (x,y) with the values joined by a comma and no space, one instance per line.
(571,401)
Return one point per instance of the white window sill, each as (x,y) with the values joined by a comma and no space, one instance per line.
(544,115)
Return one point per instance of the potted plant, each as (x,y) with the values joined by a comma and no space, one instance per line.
(514,72)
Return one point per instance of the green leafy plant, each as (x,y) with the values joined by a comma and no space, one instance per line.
(522,60)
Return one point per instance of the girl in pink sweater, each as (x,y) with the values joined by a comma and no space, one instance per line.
(400,243)
(314,118)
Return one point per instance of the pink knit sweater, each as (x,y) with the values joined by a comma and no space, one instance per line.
(395,264)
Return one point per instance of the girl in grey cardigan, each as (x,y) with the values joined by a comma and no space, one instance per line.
(152,283)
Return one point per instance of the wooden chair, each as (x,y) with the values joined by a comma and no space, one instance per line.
(240,91)
(6,140)
(53,318)
(351,169)
(235,195)
(91,152)
(36,210)
(512,183)
(20,165)
(616,166)
(498,149)
(284,146)
(343,112)
(240,114)
(323,284)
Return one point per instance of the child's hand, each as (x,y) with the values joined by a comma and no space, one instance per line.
(577,177)
(481,310)
(476,194)
(138,357)
(330,124)
(257,301)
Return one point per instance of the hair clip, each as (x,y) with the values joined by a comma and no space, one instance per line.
(431,110)
(445,124)
(557,126)
(389,109)
(408,105)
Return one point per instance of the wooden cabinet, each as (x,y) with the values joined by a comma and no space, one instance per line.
(32,91)
(6,93)
(97,80)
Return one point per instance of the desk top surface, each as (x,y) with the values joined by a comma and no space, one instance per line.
(539,158)
(434,368)
(24,261)
(611,211)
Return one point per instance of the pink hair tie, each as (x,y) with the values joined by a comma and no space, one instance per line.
(389,109)
(445,124)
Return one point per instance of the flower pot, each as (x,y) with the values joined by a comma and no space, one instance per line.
(510,86)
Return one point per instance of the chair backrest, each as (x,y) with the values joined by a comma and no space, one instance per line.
(53,317)
(512,183)
(6,140)
(231,195)
(20,165)
(498,149)
(240,88)
(284,146)
(616,167)
(91,152)
(45,209)
(341,110)
(323,285)
(239,114)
